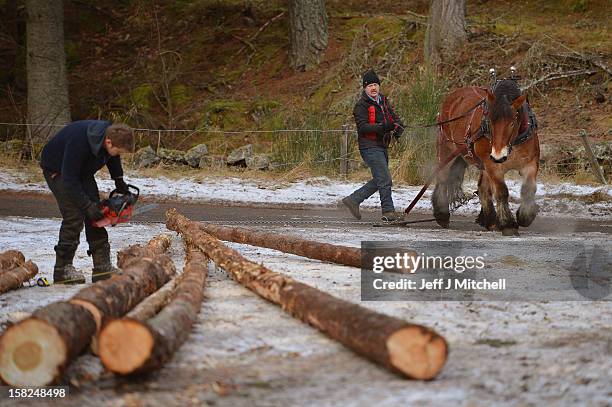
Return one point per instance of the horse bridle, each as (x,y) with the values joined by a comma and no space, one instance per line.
(486,126)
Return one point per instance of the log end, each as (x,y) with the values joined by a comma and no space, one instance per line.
(417,352)
(32,353)
(124,345)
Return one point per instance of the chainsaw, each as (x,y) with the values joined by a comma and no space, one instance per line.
(119,208)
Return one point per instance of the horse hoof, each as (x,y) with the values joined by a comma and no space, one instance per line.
(525,219)
(510,232)
(443,223)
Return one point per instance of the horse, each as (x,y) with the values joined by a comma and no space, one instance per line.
(497,132)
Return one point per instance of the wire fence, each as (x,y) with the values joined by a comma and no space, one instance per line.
(331,150)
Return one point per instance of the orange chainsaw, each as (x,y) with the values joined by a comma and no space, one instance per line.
(119,208)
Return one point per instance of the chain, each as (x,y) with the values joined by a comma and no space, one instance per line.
(461,201)
(288,222)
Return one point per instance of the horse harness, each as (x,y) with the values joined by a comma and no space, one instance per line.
(526,129)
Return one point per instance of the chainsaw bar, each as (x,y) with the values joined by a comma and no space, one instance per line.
(144,208)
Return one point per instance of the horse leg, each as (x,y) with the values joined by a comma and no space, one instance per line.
(447,190)
(528,210)
(487,216)
(505,219)
(439,200)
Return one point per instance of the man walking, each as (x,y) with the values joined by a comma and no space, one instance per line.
(69,161)
(376,123)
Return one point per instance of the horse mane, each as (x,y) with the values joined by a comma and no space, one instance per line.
(506,91)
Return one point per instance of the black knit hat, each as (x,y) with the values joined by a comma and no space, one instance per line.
(370,77)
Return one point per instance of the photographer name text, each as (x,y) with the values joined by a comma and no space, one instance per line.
(440,284)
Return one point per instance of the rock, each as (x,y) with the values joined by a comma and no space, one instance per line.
(258,162)
(212,161)
(239,156)
(171,156)
(145,157)
(195,154)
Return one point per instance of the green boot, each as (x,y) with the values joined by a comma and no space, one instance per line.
(63,271)
(102,266)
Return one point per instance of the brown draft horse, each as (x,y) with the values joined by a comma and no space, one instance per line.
(494,132)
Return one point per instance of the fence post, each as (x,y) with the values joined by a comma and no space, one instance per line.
(344,152)
(594,164)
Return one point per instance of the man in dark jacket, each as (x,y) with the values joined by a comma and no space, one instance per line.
(69,161)
(376,123)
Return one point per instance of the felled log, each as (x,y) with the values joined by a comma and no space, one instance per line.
(151,305)
(412,350)
(11,259)
(112,297)
(157,245)
(15,277)
(133,346)
(35,351)
(117,295)
(348,256)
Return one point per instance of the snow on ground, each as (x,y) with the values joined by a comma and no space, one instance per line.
(245,351)
(562,199)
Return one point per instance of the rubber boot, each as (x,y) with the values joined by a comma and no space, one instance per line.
(352,207)
(102,266)
(63,271)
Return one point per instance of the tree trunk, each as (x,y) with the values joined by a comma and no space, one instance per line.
(35,351)
(412,350)
(307,33)
(132,346)
(15,277)
(446,32)
(10,11)
(48,102)
(348,256)
(11,259)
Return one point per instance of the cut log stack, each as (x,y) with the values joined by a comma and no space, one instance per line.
(134,346)
(15,270)
(348,256)
(35,351)
(412,350)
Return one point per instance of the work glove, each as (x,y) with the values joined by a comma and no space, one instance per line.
(121,186)
(388,126)
(93,212)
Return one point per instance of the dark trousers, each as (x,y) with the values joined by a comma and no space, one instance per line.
(377,159)
(73,219)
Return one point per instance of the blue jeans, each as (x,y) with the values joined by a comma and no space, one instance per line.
(377,159)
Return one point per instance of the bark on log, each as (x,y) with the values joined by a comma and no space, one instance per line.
(151,305)
(348,256)
(157,245)
(14,278)
(75,323)
(120,293)
(412,350)
(35,351)
(11,259)
(131,346)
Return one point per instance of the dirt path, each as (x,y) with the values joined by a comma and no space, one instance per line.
(43,206)
(244,351)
